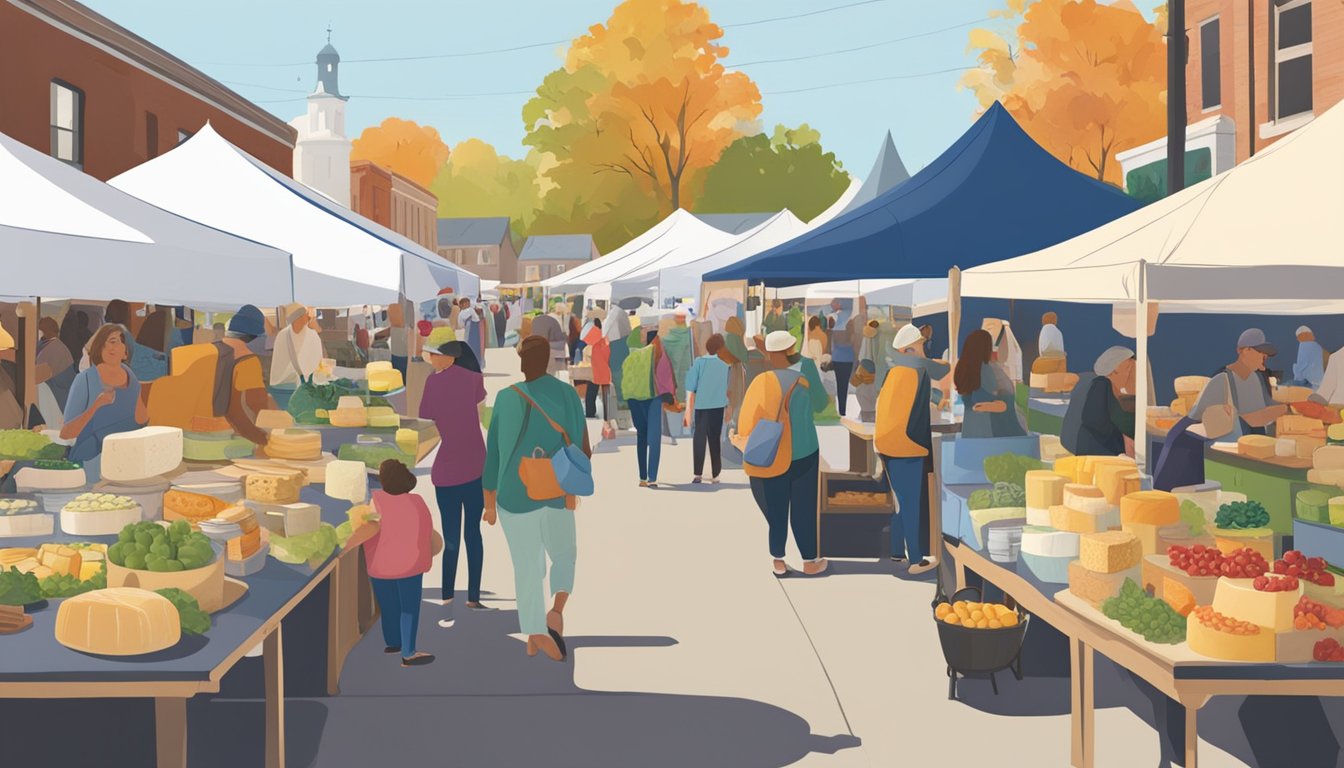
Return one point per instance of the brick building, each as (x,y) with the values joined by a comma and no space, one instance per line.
(75,84)
(480,245)
(546,256)
(394,201)
(1257,70)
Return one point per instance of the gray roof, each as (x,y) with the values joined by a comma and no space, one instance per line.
(557,248)
(475,231)
(735,223)
(888,172)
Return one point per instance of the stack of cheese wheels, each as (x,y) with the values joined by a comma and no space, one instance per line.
(1243,623)
(294,444)
(1188,389)
(1047,553)
(1085,510)
(1256,446)
(382,377)
(349,412)
(1105,561)
(1144,513)
(1116,479)
(1327,466)
(1045,489)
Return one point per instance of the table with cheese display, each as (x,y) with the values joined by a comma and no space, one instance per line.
(34,664)
(1092,541)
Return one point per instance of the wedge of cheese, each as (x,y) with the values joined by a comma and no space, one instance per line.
(1239,599)
(1116,479)
(60,559)
(141,453)
(273,488)
(1097,588)
(118,621)
(273,419)
(1066,518)
(1109,551)
(1150,507)
(1086,498)
(1216,644)
(1256,446)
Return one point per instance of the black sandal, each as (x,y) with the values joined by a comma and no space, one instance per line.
(392,649)
(559,642)
(419,659)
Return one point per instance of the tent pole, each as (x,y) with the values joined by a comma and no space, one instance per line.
(1141,370)
(953,314)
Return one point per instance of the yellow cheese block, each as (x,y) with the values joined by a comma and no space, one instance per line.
(1117,481)
(1066,518)
(1216,644)
(60,559)
(1239,599)
(118,621)
(1305,446)
(408,440)
(349,417)
(385,381)
(1256,446)
(1044,488)
(1295,424)
(1329,456)
(1229,540)
(89,570)
(1087,498)
(1097,588)
(1148,536)
(274,488)
(1150,507)
(1109,551)
(1191,385)
(383,416)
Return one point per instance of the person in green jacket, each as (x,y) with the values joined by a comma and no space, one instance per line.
(795,320)
(680,349)
(534,530)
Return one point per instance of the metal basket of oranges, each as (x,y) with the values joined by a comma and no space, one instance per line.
(979,638)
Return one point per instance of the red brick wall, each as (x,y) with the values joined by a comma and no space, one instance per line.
(117,96)
(371,192)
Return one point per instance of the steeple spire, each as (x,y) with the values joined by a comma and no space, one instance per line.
(328,66)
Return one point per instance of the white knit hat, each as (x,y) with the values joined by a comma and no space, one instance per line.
(908,336)
(780,341)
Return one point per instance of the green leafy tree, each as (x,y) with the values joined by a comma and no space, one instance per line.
(478,181)
(769,173)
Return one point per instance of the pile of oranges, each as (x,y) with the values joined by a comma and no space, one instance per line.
(976,615)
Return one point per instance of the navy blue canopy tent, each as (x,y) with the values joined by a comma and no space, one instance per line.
(993,195)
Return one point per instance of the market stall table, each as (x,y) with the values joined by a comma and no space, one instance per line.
(1274,482)
(34,665)
(1044,410)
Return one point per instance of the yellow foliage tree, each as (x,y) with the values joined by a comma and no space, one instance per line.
(1085,79)
(403,146)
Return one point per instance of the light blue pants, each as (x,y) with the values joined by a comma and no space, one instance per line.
(534,536)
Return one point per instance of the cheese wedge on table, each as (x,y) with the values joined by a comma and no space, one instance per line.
(1217,644)
(1086,498)
(1109,551)
(1256,446)
(141,453)
(273,419)
(1097,588)
(1239,599)
(1181,599)
(118,621)
(1115,480)
(273,488)
(1066,518)
(1150,507)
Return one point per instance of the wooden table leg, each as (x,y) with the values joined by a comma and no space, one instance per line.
(1081,719)
(336,619)
(170,732)
(273,655)
(935,518)
(1191,736)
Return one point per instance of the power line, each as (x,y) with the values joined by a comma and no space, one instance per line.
(869,80)
(837,52)
(803,15)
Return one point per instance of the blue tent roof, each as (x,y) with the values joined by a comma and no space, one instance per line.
(992,195)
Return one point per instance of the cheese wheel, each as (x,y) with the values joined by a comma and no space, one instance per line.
(1191,385)
(1117,479)
(378,365)
(1109,551)
(1256,446)
(1048,543)
(1239,599)
(1151,508)
(1069,467)
(1097,588)
(1326,477)
(1085,498)
(1216,644)
(273,419)
(118,621)
(1328,457)
(1038,517)
(1066,518)
(1044,488)
(141,453)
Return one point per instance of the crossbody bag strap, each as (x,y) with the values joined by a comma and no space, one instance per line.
(784,402)
(522,430)
(544,415)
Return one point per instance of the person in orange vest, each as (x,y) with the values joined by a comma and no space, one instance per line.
(904,441)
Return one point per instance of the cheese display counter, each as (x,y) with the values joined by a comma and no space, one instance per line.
(1191,591)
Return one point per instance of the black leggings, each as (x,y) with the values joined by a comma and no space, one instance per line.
(842,373)
(590,400)
(708,429)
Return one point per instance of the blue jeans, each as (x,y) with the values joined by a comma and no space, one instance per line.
(647,416)
(907,479)
(459,504)
(399,602)
(790,501)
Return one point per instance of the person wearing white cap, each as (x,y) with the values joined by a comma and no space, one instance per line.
(782,461)
(298,348)
(903,438)
(1097,420)
(1309,370)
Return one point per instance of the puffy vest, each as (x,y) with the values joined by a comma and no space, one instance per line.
(895,403)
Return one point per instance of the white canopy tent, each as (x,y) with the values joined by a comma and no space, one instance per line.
(64,233)
(340,258)
(1261,237)
(925,296)
(679,233)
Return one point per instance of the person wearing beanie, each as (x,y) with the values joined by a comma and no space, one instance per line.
(1097,421)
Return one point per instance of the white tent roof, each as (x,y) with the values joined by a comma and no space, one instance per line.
(680,232)
(924,296)
(340,258)
(1263,236)
(683,278)
(65,233)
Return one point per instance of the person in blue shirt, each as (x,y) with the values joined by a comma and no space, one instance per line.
(1309,370)
(842,352)
(706,397)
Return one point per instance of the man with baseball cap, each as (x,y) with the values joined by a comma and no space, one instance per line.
(1244,385)
(786,489)
(903,439)
(1309,370)
(1098,419)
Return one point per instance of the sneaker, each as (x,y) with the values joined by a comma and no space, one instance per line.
(898,559)
(392,649)
(418,659)
(923,566)
(478,606)
(696,480)
(652,484)
(643,483)
(714,480)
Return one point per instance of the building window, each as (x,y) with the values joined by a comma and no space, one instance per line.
(67,123)
(183,135)
(559,268)
(483,256)
(1292,58)
(530,274)
(1210,64)
(151,134)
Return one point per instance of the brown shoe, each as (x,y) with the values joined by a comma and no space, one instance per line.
(816,568)
(546,645)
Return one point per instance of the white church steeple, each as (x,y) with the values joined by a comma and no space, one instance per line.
(322,152)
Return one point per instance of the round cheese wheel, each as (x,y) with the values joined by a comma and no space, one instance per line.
(1150,508)
(118,621)
(1085,498)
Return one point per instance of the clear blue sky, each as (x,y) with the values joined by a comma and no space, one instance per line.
(241,42)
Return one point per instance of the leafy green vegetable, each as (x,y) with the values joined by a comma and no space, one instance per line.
(374,455)
(194,620)
(312,548)
(65,585)
(56,464)
(22,444)
(19,588)
(981,499)
(1242,514)
(1011,468)
(148,546)
(1000,496)
(1193,516)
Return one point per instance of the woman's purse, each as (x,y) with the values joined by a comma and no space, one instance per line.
(567,473)
(763,442)
(1219,421)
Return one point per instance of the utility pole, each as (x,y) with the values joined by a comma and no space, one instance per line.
(1177,49)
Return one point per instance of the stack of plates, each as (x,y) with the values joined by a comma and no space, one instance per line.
(1004,543)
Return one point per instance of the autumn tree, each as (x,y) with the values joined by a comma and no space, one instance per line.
(1085,79)
(403,146)
(646,101)
(788,169)
(478,181)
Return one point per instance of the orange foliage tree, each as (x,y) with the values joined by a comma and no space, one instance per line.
(403,146)
(644,98)
(1085,79)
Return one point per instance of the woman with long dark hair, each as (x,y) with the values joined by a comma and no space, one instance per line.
(991,408)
